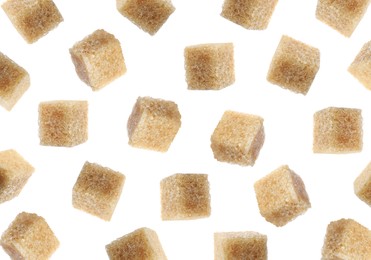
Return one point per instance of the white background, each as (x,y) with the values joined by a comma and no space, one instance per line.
(156,68)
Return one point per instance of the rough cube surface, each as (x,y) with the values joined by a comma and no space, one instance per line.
(240,245)
(361,66)
(185,196)
(346,239)
(281,196)
(97,190)
(14,81)
(251,14)
(98,59)
(63,123)
(337,130)
(32,18)
(29,237)
(209,66)
(342,15)
(142,243)
(238,138)
(149,15)
(362,185)
(153,124)
(294,65)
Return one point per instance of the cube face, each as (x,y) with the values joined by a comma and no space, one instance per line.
(98,59)
(97,190)
(346,239)
(185,197)
(29,237)
(209,66)
(361,66)
(253,15)
(14,81)
(32,18)
(63,123)
(281,196)
(153,124)
(337,130)
(149,15)
(142,243)
(238,138)
(14,174)
(343,16)
(362,185)
(294,65)
(240,245)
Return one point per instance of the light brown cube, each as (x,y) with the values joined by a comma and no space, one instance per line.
(362,185)
(337,130)
(240,245)
(63,123)
(342,15)
(238,138)
(185,197)
(294,65)
(97,190)
(32,18)
(14,81)
(98,59)
(250,14)
(346,239)
(281,196)
(149,15)
(142,243)
(153,124)
(361,66)
(29,237)
(209,66)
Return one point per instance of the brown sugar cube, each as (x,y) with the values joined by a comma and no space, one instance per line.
(209,66)
(281,196)
(294,65)
(346,239)
(362,185)
(149,15)
(185,197)
(14,174)
(240,245)
(337,130)
(361,66)
(63,123)
(142,243)
(341,15)
(98,59)
(29,237)
(153,124)
(238,138)
(32,18)
(97,190)
(250,14)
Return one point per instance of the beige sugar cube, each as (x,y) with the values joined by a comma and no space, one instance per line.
(362,185)
(281,196)
(346,239)
(240,245)
(294,65)
(250,14)
(185,197)
(238,138)
(29,237)
(149,15)
(97,190)
(209,66)
(142,243)
(342,15)
(337,130)
(32,18)
(153,124)
(361,66)
(14,174)
(98,59)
